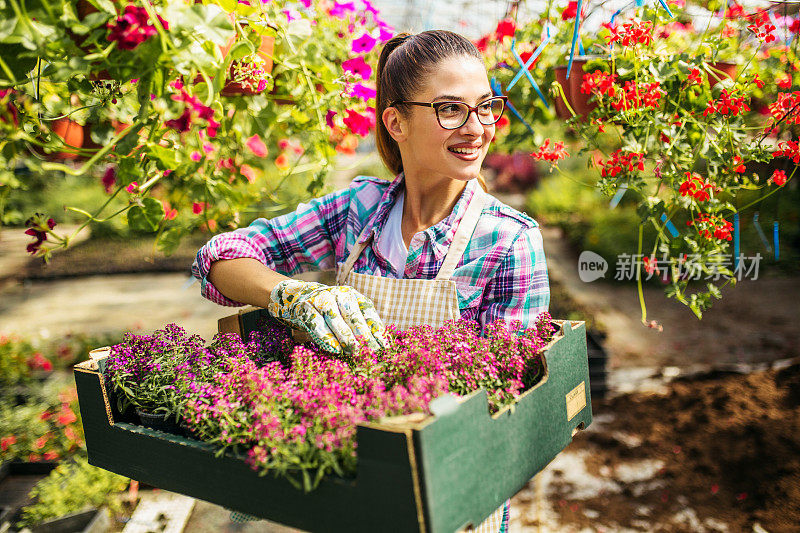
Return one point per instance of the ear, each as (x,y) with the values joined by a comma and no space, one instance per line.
(395,124)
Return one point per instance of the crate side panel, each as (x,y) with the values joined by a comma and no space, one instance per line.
(472,462)
(382,493)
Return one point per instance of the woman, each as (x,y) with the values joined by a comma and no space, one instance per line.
(425,248)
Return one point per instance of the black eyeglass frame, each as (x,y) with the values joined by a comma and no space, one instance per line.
(437,105)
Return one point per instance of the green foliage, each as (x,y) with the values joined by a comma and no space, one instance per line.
(169,145)
(73,487)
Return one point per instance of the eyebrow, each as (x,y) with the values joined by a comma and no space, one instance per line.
(461,98)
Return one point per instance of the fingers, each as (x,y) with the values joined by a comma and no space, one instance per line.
(309,318)
(353,315)
(324,302)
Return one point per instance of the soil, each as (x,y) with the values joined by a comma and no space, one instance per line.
(715,453)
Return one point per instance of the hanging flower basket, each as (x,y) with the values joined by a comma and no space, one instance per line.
(249,77)
(727,69)
(73,135)
(578,100)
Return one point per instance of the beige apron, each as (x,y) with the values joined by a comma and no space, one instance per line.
(410,302)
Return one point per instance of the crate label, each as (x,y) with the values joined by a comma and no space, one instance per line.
(576,400)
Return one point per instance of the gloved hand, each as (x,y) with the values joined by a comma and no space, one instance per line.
(335,317)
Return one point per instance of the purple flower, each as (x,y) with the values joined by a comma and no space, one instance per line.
(358,66)
(329,118)
(364,44)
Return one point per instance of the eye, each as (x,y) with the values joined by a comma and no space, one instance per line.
(450,109)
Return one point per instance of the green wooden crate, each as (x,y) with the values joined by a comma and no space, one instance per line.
(437,475)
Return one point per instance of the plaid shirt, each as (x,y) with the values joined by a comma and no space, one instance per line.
(503,273)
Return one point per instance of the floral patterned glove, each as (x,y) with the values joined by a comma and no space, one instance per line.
(335,317)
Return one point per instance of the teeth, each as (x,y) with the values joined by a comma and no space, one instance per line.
(466,151)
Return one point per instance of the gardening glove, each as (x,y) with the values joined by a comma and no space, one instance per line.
(335,318)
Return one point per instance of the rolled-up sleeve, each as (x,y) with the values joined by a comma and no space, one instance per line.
(520,289)
(289,244)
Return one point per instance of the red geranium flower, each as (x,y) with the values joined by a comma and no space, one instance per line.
(133,27)
(778,178)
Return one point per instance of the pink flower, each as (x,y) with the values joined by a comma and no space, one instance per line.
(248,172)
(183,123)
(291,15)
(358,66)
(133,27)
(257,146)
(358,123)
(132,187)
(195,156)
(169,212)
(386,33)
(364,44)
(341,9)
(199,207)
(208,148)
(361,91)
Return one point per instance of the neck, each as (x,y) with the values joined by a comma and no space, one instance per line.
(427,202)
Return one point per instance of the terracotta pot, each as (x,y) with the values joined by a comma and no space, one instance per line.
(572,89)
(84,8)
(72,134)
(728,69)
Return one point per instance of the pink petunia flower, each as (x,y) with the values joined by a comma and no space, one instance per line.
(341,9)
(358,123)
(358,66)
(248,172)
(362,91)
(257,146)
(364,44)
(133,27)
(329,118)
(109,179)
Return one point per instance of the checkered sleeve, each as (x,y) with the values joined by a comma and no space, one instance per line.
(296,242)
(520,289)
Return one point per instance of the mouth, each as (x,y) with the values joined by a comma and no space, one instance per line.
(467,153)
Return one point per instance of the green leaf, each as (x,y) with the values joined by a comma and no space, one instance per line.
(209,22)
(169,240)
(146,217)
(242,48)
(166,158)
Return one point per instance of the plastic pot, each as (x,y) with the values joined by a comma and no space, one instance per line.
(159,421)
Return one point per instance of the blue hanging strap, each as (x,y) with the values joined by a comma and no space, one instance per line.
(618,196)
(775,241)
(527,64)
(670,226)
(736,240)
(575,33)
(665,6)
(498,91)
(527,73)
(760,232)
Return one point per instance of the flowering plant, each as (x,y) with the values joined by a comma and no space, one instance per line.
(293,410)
(45,428)
(671,130)
(189,115)
(20,362)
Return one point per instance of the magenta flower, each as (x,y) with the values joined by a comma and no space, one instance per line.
(358,123)
(341,9)
(257,146)
(183,123)
(329,118)
(364,44)
(386,33)
(361,91)
(368,7)
(132,187)
(291,15)
(133,27)
(195,156)
(109,179)
(38,230)
(358,66)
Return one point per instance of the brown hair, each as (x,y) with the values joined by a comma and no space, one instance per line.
(404,63)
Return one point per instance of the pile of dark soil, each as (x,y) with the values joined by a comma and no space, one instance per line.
(730,449)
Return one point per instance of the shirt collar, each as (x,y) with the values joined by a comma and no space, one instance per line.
(440,234)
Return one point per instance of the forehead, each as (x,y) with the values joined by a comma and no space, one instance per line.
(463,77)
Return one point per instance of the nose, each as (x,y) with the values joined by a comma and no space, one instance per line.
(472,125)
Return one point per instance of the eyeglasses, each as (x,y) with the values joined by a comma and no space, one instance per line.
(453,114)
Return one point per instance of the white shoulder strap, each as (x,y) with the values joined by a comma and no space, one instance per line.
(463,233)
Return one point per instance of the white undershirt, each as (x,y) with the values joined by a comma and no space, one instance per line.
(391,244)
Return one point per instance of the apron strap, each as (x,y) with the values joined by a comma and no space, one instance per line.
(466,227)
(347,266)
(463,234)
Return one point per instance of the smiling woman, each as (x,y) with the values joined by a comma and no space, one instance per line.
(428,247)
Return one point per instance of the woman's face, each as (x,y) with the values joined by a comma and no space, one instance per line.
(434,152)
